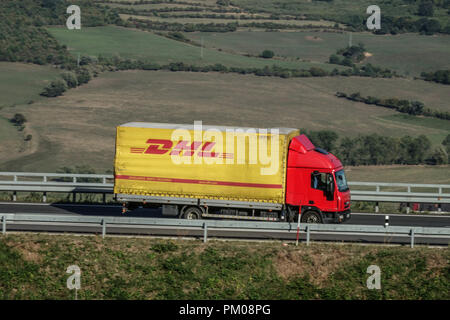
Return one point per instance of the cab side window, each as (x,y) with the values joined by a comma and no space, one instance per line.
(318,180)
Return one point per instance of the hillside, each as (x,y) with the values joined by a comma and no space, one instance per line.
(249,63)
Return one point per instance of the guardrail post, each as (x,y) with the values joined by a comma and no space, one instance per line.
(386,221)
(104,198)
(407,207)
(205,232)
(103,228)
(307,235)
(15,196)
(44,197)
(377,208)
(3,225)
(412,238)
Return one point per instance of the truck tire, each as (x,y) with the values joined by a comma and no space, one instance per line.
(311,217)
(192,213)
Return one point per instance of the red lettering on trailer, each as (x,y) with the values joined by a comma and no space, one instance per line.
(158,146)
(182,148)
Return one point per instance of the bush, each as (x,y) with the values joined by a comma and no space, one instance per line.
(71,79)
(426,8)
(18,119)
(267,54)
(83,76)
(334,59)
(54,89)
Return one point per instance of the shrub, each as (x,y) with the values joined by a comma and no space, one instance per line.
(71,79)
(18,119)
(54,89)
(267,54)
(83,76)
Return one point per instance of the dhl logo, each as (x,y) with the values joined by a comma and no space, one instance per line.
(182,148)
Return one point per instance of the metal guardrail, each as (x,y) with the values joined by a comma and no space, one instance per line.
(205,225)
(89,183)
(57,182)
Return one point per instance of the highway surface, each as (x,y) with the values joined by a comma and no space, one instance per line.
(112,210)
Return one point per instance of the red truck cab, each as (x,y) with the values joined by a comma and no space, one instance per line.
(316,184)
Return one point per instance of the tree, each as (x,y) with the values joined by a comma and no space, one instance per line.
(267,54)
(439,156)
(18,119)
(83,76)
(426,8)
(71,79)
(54,89)
(334,59)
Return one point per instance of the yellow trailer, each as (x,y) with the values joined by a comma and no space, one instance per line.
(185,164)
(196,171)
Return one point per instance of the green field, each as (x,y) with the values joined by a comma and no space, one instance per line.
(33,266)
(134,44)
(79,127)
(403,53)
(21,83)
(401,174)
(339,9)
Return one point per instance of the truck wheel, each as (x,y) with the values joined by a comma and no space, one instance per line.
(311,217)
(192,213)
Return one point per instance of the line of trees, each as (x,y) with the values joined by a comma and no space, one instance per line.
(133,3)
(374,149)
(440,76)
(415,108)
(142,24)
(117,63)
(175,26)
(70,79)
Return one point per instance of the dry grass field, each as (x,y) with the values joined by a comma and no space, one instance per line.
(79,127)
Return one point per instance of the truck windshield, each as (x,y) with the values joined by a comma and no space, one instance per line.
(341,181)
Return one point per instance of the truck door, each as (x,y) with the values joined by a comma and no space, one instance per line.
(321,193)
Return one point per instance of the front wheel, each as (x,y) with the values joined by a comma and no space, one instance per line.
(311,217)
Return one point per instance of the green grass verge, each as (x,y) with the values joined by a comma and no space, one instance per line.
(33,266)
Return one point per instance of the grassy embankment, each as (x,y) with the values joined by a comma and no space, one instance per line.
(33,266)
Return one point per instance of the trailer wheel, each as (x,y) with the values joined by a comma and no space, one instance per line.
(192,213)
(311,217)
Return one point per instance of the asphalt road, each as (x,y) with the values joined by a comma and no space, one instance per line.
(111,210)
